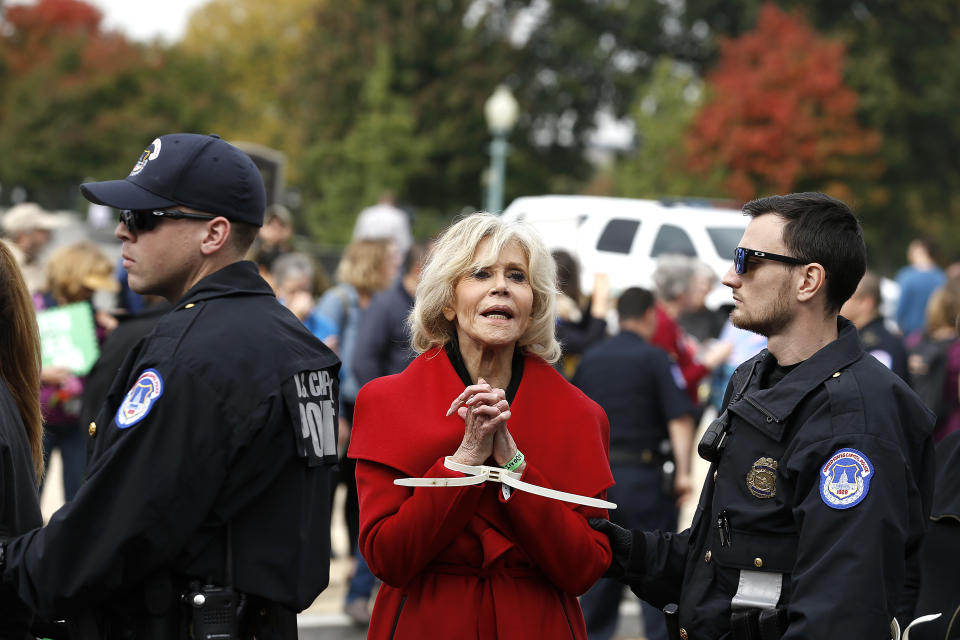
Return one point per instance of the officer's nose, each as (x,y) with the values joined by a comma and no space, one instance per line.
(121,232)
(731,278)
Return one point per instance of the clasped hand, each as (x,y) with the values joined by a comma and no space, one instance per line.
(485,411)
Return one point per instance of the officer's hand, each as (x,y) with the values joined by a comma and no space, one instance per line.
(621,541)
(682,488)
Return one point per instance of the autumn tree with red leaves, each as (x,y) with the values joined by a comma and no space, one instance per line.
(77,101)
(780,117)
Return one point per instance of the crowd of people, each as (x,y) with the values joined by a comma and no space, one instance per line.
(474,351)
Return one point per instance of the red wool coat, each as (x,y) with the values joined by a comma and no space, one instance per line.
(464,562)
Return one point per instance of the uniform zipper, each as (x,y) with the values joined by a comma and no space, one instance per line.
(761,409)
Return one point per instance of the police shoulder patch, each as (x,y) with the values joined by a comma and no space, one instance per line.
(140,399)
(845,479)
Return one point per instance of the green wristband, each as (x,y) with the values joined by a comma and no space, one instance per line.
(515,462)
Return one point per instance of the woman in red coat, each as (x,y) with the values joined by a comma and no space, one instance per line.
(481,561)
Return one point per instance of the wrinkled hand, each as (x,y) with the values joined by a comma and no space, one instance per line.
(484,411)
(621,541)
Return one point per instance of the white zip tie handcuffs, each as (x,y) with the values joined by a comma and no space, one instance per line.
(484,473)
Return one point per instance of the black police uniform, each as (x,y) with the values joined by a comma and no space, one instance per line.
(19,502)
(825,478)
(221,420)
(885,347)
(631,379)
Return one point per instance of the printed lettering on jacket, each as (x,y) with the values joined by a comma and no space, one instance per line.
(311,399)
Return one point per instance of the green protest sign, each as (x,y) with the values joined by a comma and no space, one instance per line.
(68,338)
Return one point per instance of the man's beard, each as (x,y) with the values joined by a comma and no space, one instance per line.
(769,321)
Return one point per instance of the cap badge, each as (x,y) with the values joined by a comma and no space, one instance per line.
(150,153)
(762,478)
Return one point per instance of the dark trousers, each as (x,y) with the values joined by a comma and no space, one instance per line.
(640,505)
(72,442)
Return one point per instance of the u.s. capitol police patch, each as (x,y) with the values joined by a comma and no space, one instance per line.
(845,479)
(140,399)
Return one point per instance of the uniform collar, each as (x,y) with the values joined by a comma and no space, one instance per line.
(240,277)
(776,404)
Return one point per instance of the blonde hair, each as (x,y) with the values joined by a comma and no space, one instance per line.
(453,257)
(20,352)
(73,271)
(943,307)
(363,265)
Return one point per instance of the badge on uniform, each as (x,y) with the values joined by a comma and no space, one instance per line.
(311,399)
(845,479)
(140,399)
(762,478)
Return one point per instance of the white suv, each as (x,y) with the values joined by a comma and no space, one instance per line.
(624,237)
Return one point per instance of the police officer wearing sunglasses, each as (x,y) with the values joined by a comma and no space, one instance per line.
(205,509)
(821,463)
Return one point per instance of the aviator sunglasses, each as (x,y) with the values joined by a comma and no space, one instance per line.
(742,254)
(140,220)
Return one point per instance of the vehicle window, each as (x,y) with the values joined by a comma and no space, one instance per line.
(725,239)
(617,236)
(671,239)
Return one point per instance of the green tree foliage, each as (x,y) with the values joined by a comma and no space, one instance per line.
(421,108)
(78,102)
(665,109)
(259,48)
(380,151)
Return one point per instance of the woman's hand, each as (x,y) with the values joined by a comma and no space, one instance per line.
(504,448)
(484,410)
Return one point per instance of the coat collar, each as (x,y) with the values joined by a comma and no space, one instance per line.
(237,278)
(769,409)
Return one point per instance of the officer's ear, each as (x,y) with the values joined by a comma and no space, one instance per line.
(813,280)
(215,236)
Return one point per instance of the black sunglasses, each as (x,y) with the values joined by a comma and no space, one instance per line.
(140,220)
(741,255)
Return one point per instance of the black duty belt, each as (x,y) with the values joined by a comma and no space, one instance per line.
(645,457)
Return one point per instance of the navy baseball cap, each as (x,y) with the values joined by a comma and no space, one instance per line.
(191,170)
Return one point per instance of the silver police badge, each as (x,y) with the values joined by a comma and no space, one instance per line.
(762,478)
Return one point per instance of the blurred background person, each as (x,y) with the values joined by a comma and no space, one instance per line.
(367,266)
(581,321)
(274,239)
(382,349)
(700,322)
(918,280)
(28,229)
(938,590)
(481,561)
(21,427)
(933,361)
(385,220)
(672,278)
(863,310)
(74,273)
(651,436)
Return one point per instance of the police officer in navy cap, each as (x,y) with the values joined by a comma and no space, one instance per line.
(820,486)
(205,509)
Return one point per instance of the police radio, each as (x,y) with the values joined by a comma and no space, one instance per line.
(714,438)
(216,610)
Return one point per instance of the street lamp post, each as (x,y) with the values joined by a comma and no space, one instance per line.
(501,112)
